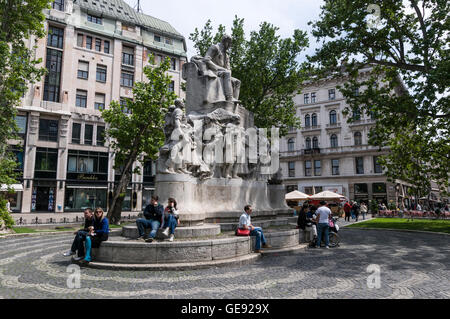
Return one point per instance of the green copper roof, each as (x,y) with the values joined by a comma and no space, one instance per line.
(120,10)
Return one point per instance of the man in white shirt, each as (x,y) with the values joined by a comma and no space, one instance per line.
(245,223)
(323,215)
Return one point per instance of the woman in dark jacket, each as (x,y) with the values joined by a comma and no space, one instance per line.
(301,221)
(97,233)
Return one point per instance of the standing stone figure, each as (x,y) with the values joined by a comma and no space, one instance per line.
(216,63)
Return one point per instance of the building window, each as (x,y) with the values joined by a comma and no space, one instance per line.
(53,76)
(83,70)
(313,97)
(291,144)
(100,135)
(317,168)
(94,19)
(128,55)
(58,5)
(81,98)
(157,38)
(307,120)
(356,116)
(80,38)
(308,168)
(159,59)
(55,37)
(308,190)
(98,45)
(101,73)
(359,165)
(306,98)
(48,130)
(173,64)
(124,105)
(334,141)
(358,138)
(87,162)
(308,143)
(127,79)
(334,167)
(356,92)
(89,42)
(88,133)
(361,189)
(99,103)
(333,117)
(318,189)
(21,122)
(169,41)
(314,119)
(315,142)
(379,187)
(172,86)
(46,162)
(376,165)
(291,166)
(331,94)
(76,133)
(291,188)
(106,46)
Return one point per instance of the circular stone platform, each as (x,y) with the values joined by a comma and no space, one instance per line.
(206,230)
(124,253)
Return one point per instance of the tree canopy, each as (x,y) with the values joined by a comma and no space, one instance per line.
(135,130)
(267,67)
(407,45)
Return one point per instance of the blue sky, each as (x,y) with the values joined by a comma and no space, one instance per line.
(185,16)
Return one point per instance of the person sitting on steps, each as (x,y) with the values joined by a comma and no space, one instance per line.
(245,223)
(154,219)
(171,218)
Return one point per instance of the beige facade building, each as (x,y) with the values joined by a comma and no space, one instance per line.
(94,52)
(328,153)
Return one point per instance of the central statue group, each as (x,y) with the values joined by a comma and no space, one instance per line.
(212,99)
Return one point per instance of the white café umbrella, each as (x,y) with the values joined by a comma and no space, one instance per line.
(326,195)
(296,195)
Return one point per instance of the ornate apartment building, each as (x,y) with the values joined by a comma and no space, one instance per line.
(94,51)
(328,153)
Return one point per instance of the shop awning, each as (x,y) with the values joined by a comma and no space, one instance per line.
(296,195)
(14,187)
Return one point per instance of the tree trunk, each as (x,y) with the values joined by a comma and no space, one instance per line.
(115,210)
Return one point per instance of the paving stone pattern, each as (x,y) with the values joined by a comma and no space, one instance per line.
(413,265)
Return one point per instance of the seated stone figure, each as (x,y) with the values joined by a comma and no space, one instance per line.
(218,85)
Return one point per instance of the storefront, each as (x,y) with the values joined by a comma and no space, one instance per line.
(361,192)
(13,193)
(86,182)
(379,192)
(43,196)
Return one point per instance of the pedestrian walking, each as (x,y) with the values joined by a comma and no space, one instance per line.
(347,210)
(363,210)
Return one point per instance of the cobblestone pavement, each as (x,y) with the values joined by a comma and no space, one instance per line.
(412,265)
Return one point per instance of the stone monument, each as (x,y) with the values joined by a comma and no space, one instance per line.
(214,161)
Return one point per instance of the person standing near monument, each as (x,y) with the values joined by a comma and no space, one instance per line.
(245,223)
(323,215)
(153,218)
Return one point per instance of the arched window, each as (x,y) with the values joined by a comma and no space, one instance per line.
(314,119)
(307,120)
(333,117)
(315,142)
(308,143)
(291,144)
(358,138)
(333,140)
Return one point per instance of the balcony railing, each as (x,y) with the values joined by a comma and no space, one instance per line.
(308,151)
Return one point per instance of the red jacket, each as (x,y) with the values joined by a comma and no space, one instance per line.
(347,207)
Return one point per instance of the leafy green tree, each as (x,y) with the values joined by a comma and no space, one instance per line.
(136,130)
(20,20)
(267,67)
(407,92)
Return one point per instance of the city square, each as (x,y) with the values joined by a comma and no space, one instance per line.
(142,157)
